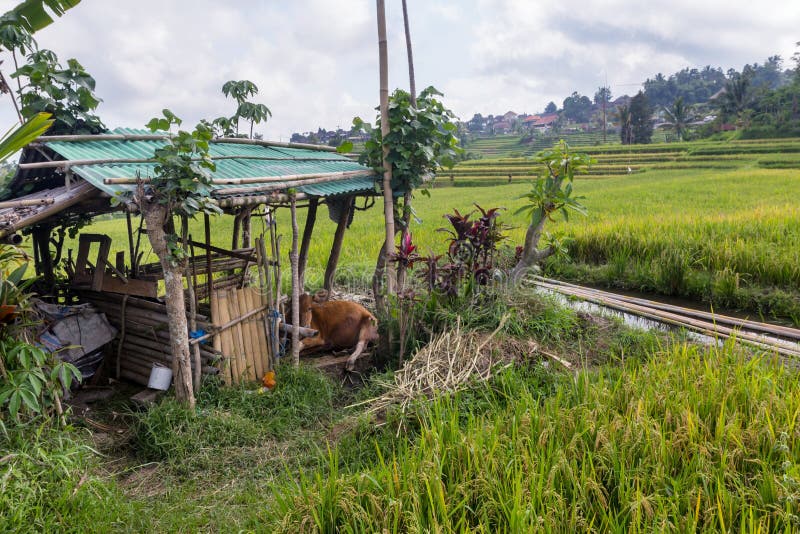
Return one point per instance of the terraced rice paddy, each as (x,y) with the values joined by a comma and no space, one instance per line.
(503,146)
(627,159)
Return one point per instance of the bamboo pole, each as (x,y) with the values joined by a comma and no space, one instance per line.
(254,200)
(61,202)
(23,203)
(255,336)
(388,201)
(293,258)
(247,338)
(776,330)
(192,306)
(301,179)
(134,302)
(68,164)
(229,324)
(207,235)
(161,137)
(272,334)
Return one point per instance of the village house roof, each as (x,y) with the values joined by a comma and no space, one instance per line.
(544,119)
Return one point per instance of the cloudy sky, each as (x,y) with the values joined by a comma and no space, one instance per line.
(316,62)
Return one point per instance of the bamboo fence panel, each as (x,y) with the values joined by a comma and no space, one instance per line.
(238,319)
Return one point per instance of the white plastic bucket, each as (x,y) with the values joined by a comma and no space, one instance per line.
(160,377)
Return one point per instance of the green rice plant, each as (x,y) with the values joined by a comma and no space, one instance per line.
(692,440)
(725,287)
(671,268)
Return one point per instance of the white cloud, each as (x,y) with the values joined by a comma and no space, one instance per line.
(315,61)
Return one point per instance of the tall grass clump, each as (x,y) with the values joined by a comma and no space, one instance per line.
(47,484)
(232,417)
(694,439)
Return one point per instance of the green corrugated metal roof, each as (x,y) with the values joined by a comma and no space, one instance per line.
(287,161)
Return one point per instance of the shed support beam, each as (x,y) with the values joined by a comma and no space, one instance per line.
(41,242)
(308,229)
(246,240)
(336,248)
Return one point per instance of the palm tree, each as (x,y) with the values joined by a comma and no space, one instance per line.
(737,94)
(678,117)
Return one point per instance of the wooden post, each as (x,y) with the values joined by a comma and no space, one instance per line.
(132,273)
(295,285)
(192,306)
(246,240)
(311,219)
(336,248)
(209,277)
(41,238)
(237,225)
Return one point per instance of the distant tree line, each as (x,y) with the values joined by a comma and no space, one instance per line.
(761,100)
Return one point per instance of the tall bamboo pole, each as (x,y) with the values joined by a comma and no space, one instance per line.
(401,269)
(192,306)
(411,79)
(293,258)
(388,204)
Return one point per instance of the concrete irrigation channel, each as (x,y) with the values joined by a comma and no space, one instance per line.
(780,339)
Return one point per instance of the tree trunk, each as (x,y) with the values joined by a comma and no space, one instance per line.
(531,255)
(156,216)
(293,258)
(388,203)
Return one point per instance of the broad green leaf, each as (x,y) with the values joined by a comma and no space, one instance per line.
(345,147)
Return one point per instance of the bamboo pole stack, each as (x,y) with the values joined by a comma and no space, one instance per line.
(144,338)
(760,335)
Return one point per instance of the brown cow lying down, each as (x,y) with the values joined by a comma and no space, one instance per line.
(340,324)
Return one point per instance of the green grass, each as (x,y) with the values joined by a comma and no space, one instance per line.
(47,483)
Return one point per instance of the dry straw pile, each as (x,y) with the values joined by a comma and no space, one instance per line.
(451,361)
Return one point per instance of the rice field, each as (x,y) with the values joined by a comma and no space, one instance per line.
(693,441)
(512,145)
(722,229)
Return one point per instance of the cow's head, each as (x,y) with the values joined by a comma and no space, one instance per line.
(305,310)
(371,329)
